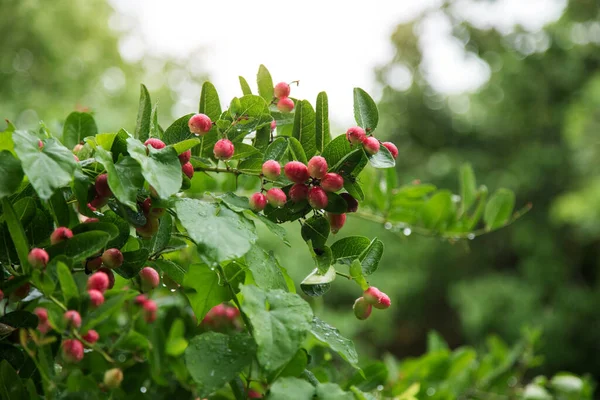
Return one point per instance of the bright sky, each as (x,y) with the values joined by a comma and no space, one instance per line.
(327,45)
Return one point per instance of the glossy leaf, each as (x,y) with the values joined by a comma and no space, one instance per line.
(68,286)
(349,248)
(80,246)
(371,256)
(265,83)
(17,234)
(133,262)
(331,336)
(365,110)
(276,150)
(438,210)
(201,287)
(11,173)
(142,126)
(296,150)
(178,131)
(78,125)
(124,178)
(265,269)
(382,159)
(174,270)
(316,229)
(110,217)
(110,307)
(323,136)
(291,389)
(11,387)
(304,127)
(499,208)
(318,283)
(209,101)
(244,85)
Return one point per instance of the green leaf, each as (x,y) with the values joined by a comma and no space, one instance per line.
(11,173)
(411,392)
(265,269)
(317,283)
(133,262)
(142,126)
(349,248)
(186,145)
(178,131)
(329,335)
(296,366)
(67,283)
(219,233)
(356,272)
(296,150)
(323,136)
(245,87)
(365,110)
(213,359)
(19,319)
(371,256)
(265,83)
(468,187)
(253,113)
(304,127)
(6,141)
(201,286)
(124,178)
(276,150)
(80,246)
(11,387)
(173,270)
(499,209)
(370,377)
(336,150)
(280,321)
(272,226)
(336,204)
(243,150)
(262,138)
(251,165)
(110,217)
(176,343)
(155,131)
(332,391)
(568,384)
(382,159)
(209,102)
(17,233)
(316,229)
(47,169)
(438,210)
(78,125)
(161,168)
(161,239)
(110,307)
(14,355)
(291,389)
(235,202)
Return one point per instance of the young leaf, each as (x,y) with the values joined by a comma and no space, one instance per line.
(186,145)
(209,101)
(304,127)
(318,283)
(438,210)
(296,150)
(78,125)
(265,83)
(499,209)
(329,335)
(155,131)
(265,269)
(468,187)
(142,126)
(201,287)
(245,87)
(124,177)
(365,110)
(323,136)
(11,173)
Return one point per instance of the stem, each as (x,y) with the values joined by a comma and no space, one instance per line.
(236,301)
(344,275)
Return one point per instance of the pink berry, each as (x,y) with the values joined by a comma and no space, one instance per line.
(253,394)
(351,201)
(371,145)
(188,169)
(317,198)
(276,197)
(298,192)
(149,278)
(40,144)
(273,125)
(271,169)
(113,378)
(317,167)
(141,299)
(91,336)
(96,297)
(38,258)
(72,350)
(42,314)
(336,221)
(44,327)
(282,89)
(332,182)
(150,311)
(392,148)
(285,104)
(377,298)
(101,186)
(111,276)
(60,234)
(258,201)
(93,264)
(156,143)
(98,281)
(223,149)
(112,258)
(77,148)
(296,172)
(185,157)
(232,313)
(362,309)
(91,220)
(72,318)
(97,202)
(383,303)
(1,295)
(355,135)
(200,124)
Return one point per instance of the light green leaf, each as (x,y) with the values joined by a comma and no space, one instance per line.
(186,145)
(11,173)
(438,210)
(201,287)
(365,110)
(276,150)
(382,159)
(332,391)
(78,125)
(176,343)
(154,127)
(317,283)
(296,150)
(124,178)
(371,256)
(272,226)
(209,102)
(142,126)
(133,262)
(245,87)
(323,136)
(254,113)
(331,336)
(291,389)
(265,269)
(265,83)
(67,283)
(468,187)
(499,209)
(304,127)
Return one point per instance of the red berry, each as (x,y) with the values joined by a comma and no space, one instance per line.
(112,258)
(44,327)
(91,220)
(332,182)
(1,295)
(156,143)
(317,167)
(42,314)
(91,336)
(317,198)
(110,275)
(273,125)
(296,172)
(271,169)
(93,264)
(355,135)
(371,145)
(276,197)
(285,104)
(384,302)
(200,124)
(223,149)
(60,234)
(362,309)
(188,169)
(149,278)
(258,201)
(97,203)
(392,148)
(101,186)
(298,192)
(98,281)
(253,394)
(336,221)
(146,206)
(38,258)
(351,201)
(232,313)
(141,299)
(282,89)
(377,298)
(72,318)
(150,311)
(21,292)
(113,378)
(96,297)
(149,229)
(185,157)
(72,350)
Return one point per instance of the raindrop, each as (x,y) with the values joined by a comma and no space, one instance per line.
(380,388)
(512,381)
(407,231)
(455,198)
(430,391)
(143,389)
(212,372)
(122,358)
(471,236)
(388,225)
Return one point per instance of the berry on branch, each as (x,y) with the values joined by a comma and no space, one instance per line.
(362,309)
(258,201)
(296,172)
(73,319)
(271,169)
(38,258)
(223,149)
(188,169)
(91,336)
(96,297)
(317,198)
(156,143)
(60,234)
(332,182)
(355,135)
(185,157)
(149,278)
(317,167)
(371,145)
(101,186)
(350,201)
(72,350)
(392,148)
(298,192)
(98,281)
(285,104)
(276,197)
(282,89)
(200,124)
(336,221)
(113,378)
(112,258)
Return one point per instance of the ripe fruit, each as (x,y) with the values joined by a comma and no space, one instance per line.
(113,378)
(317,198)
(336,221)
(392,148)
(285,104)
(296,172)
(93,264)
(149,278)
(282,89)
(40,144)
(185,157)
(96,297)
(355,135)
(110,275)
(72,350)
(101,186)
(362,309)
(156,143)
(98,281)
(200,124)
(72,318)
(140,299)
(97,202)
(376,297)
(351,201)
(150,310)
(149,229)
(276,197)
(317,167)
(91,336)
(223,149)
(258,201)
(146,206)
(188,169)
(253,394)
(112,258)
(298,192)
(271,169)
(384,302)
(273,125)
(60,234)
(332,182)
(42,314)
(38,258)
(371,145)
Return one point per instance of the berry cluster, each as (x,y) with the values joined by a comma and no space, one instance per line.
(372,297)
(282,92)
(222,317)
(357,135)
(200,125)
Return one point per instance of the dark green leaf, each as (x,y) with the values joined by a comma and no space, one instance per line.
(161,239)
(80,246)
(265,83)
(17,234)
(11,387)
(331,336)
(63,213)
(142,126)
(349,248)
(78,125)
(124,178)
(262,138)
(133,262)
(365,110)
(173,270)
(245,87)
(336,204)
(272,226)
(243,150)
(122,226)
(276,150)
(265,269)
(14,355)
(316,229)
(296,150)
(178,131)
(304,127)
(253,113)
(11,173)
(67,283)
(201,286)
(371,256)
(499,208)
(19,319)
(318,283)
(323,136)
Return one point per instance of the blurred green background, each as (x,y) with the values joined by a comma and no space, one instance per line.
(532,127)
